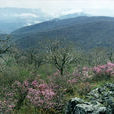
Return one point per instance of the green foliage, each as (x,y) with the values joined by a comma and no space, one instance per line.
(77,79)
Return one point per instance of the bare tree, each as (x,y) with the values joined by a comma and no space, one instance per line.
(36,57)
(39,58)
(60,55)
(97,56)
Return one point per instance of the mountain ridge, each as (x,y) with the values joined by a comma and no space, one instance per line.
(81,30)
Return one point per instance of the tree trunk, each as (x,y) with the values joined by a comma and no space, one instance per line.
(61,71)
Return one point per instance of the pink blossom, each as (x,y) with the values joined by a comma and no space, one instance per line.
(42,86)
(102,66)
(109,70)
(97,69)
(26,83)
(34,83)
(110,64)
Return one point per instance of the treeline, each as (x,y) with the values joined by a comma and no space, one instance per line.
(60,54)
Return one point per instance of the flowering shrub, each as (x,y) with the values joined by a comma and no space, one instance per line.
(41,95)
(106,70)
(82,74)
(7,101)
(49,94)
(6,106)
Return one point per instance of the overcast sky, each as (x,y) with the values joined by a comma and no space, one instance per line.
(58,7)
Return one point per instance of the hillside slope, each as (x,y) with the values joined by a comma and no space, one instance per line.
(85,31)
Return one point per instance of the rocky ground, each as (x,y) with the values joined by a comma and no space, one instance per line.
(99,101)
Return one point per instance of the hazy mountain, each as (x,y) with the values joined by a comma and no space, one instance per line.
(87,31)
(14,18)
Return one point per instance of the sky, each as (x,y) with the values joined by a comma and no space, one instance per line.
(61,7)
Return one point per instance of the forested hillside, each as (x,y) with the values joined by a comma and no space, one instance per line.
(80,30)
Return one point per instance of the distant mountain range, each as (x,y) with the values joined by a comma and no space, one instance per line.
(15,18)
(88,32)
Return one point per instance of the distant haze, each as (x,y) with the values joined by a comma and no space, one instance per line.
(60,7)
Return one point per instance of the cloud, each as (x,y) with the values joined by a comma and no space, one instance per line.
(57,7)
(26,15)
(71,11)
